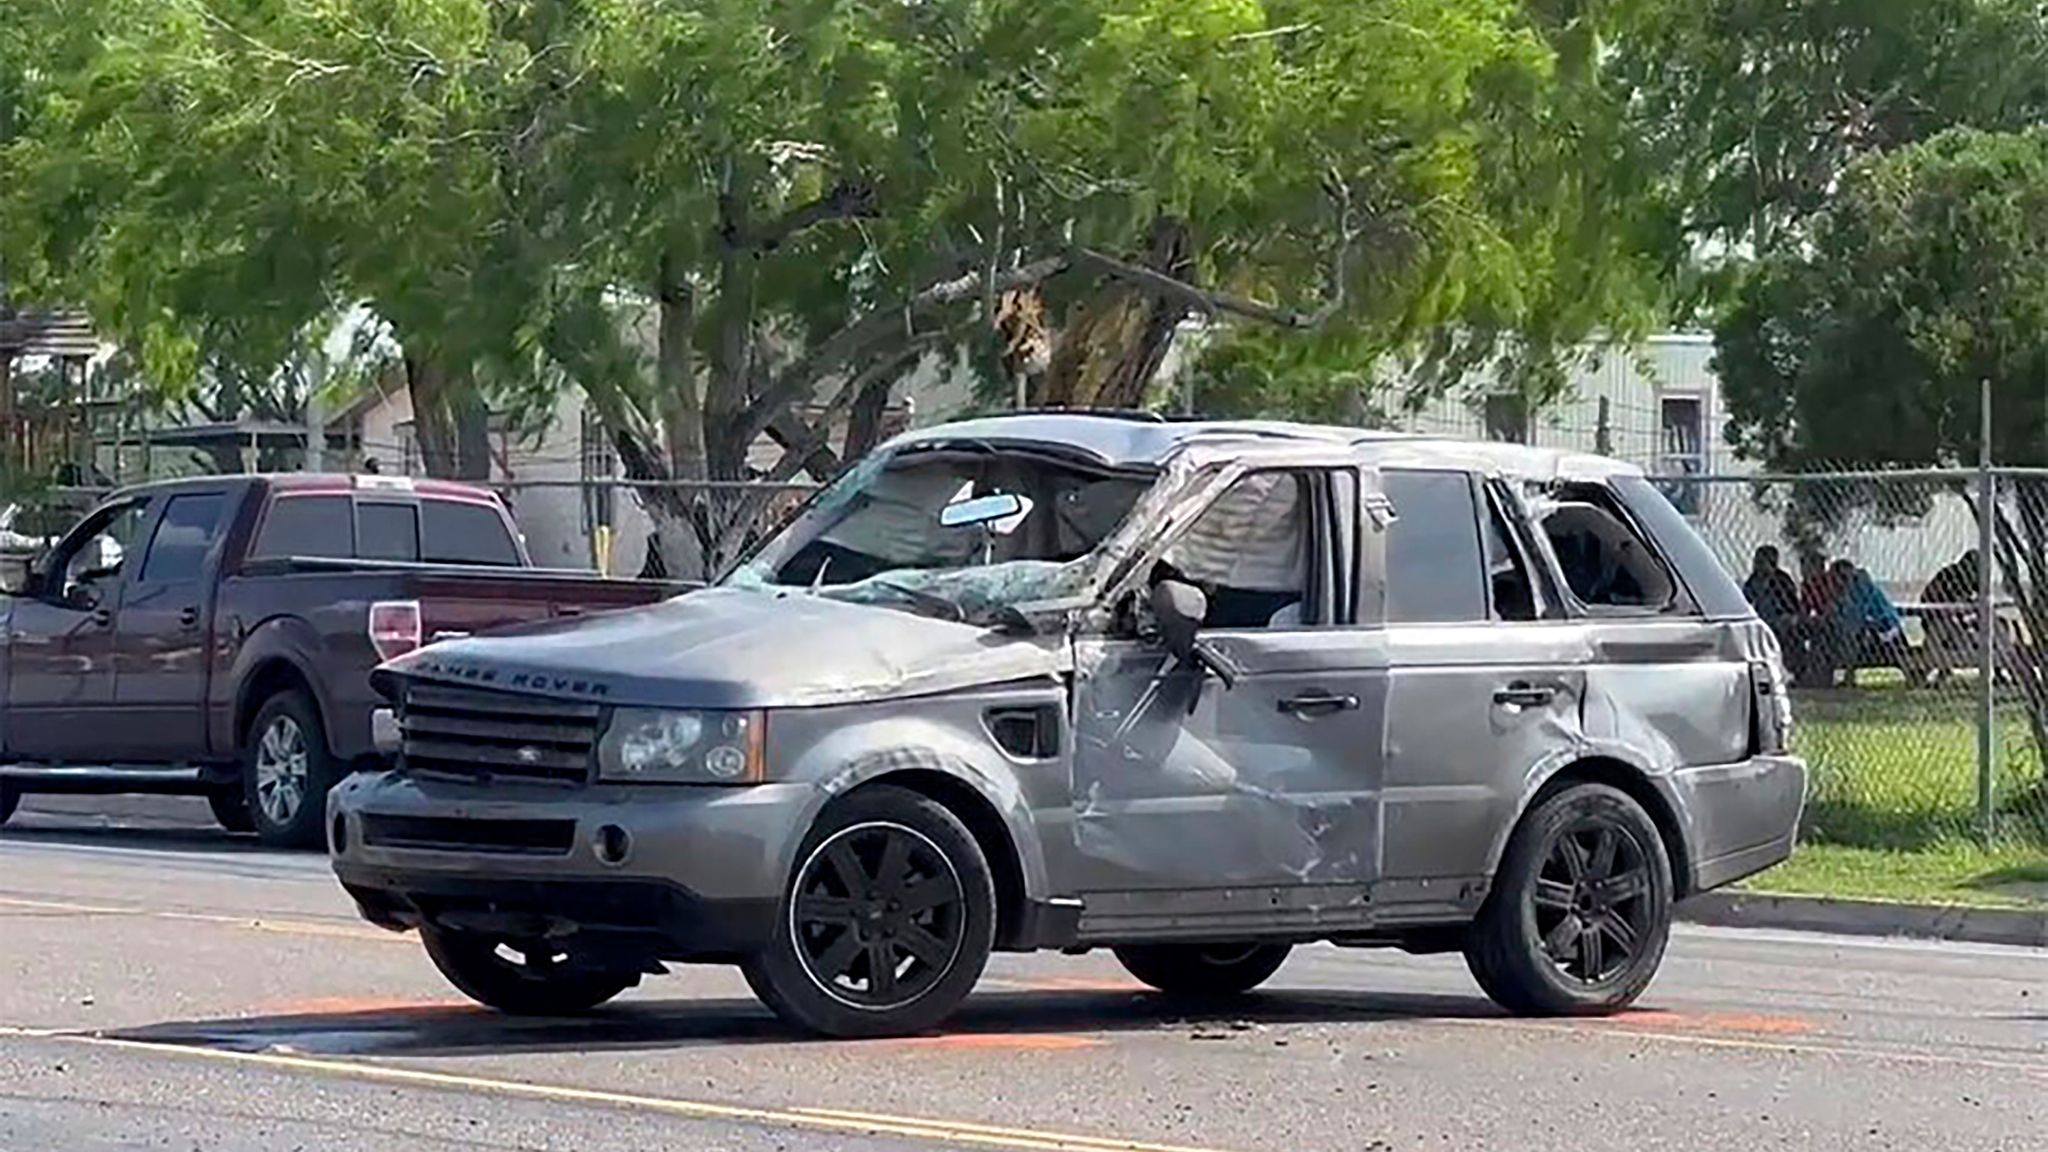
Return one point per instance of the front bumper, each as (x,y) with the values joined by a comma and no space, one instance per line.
(678,872)
(1743,817)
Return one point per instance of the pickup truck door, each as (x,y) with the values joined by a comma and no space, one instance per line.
(163,629)
(61,640)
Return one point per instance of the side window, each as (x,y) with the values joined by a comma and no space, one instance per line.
(96,554)
(1250,553)
(183,537)
(1436,572)
(307,526)
(453,532)
(1513,593)
(387,531)
(1605,564)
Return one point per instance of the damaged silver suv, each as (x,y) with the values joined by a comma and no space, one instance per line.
(1194,692)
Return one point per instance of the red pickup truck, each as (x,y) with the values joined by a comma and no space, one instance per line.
(215,636)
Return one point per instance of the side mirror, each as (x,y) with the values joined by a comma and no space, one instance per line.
(1179,609)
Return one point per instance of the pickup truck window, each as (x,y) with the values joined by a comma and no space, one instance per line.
(1435,570)
(454,532)
(183,537)
(93,557)
(387,531)
(307,526)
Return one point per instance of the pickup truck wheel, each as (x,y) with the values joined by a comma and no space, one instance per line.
(231,809)
(521,979)
(886,924)
(287,771)
(1579,915)
(1203,970)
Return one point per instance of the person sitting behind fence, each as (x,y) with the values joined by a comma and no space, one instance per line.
(1770,590)
(1951,631)
(1868,625)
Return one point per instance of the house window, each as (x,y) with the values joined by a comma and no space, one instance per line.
(1507,418)
(1682,431)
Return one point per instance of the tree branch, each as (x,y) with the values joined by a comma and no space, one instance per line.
(846,201)
(796,381)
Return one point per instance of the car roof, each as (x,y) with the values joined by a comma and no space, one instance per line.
(307,483)
(1134,440)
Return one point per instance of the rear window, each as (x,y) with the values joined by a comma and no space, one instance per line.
(1713,589)
(387,532)
(452,532)
(1435,571)
(307,526)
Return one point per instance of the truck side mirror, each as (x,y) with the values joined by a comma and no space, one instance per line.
(1179,610)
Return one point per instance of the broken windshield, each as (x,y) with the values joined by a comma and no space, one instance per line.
(976,527)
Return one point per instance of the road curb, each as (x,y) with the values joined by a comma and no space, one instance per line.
(2016,926)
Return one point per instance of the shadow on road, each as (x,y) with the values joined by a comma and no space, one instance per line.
(459,1031)
(211,841)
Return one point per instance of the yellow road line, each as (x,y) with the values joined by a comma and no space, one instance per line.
(812,1119)
(255,924)
(1773,1047)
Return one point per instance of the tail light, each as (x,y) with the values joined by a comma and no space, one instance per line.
(1773,705)
(395,627)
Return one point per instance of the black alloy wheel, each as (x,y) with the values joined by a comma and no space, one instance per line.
(1592,900)
(1580,909)
(879,915)
(886,923)
(522,977)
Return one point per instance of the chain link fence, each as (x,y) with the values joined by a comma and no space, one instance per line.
(1876,605)
(1872,581)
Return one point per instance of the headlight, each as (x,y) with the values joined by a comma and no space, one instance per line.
(667,746)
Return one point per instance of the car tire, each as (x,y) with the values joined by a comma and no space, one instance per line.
(231,809)
(887,881)
(1203,971)
(287,771)
(532,985)
(9,800)
(1580,910)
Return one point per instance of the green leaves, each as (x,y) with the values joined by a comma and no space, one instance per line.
(1928,274)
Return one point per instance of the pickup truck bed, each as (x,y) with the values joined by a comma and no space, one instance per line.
(215,636)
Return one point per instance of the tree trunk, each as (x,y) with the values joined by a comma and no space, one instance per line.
(433,423)
(472,421)
(675,372)
(1113,348)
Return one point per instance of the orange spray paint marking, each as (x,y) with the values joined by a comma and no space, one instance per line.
(992,1042)
(1753,1025)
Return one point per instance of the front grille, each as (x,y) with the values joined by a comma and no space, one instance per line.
(513,837)
(499,735)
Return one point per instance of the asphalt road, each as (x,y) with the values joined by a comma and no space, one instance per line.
(163,985)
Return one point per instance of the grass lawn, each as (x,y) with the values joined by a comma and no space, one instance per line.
(1952,874)
(1892,803)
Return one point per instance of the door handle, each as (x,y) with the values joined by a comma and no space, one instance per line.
(1525,695)
(189,617)
(1317,703)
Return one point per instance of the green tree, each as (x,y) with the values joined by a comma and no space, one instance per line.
(1926,278)
(807,198)
(1752,110)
